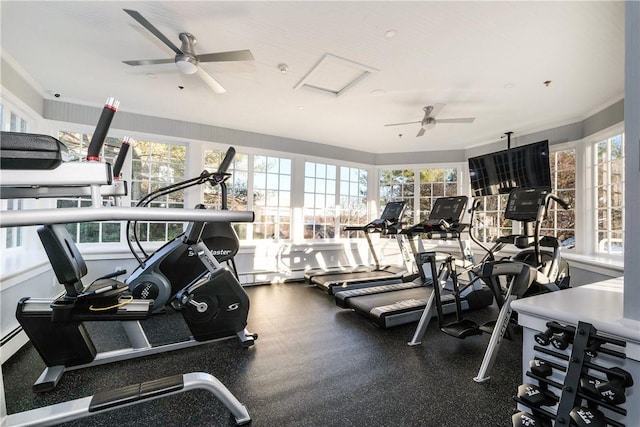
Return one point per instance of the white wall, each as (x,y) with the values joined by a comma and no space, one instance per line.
(632,162)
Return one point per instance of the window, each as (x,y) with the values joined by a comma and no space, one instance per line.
(435,183)
(237,185)
(609,194)
(560,222)
(488,221)
(271,197)
(13,236)
(156,165)
(319,200)
(17,124)
(396,186)
(89,232)
(353,198)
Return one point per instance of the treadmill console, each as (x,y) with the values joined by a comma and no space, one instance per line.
(392,212)
(446,214)
(390,216)
(449,209)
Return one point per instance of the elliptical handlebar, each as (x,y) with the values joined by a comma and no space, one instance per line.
(563,204)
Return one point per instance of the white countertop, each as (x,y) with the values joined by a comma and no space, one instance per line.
(600,304)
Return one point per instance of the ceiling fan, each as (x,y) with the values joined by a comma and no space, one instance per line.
(429,120)
(186,60)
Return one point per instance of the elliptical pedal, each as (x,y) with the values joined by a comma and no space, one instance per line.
(488,327)
(462,329)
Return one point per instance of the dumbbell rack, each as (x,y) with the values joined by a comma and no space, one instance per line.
(575,402)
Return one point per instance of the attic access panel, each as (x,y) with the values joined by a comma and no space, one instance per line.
(334,75)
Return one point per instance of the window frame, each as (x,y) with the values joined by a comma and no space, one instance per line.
(596,207)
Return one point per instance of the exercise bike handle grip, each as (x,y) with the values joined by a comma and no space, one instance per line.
(226,162)
(122,155)
(99,135)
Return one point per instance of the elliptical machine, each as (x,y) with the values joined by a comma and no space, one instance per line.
(531,271)
(174,266)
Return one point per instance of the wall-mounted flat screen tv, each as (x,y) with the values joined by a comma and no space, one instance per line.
(520,167)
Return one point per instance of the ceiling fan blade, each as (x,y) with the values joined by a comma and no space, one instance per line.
(235,55)
(460,120)
(436,109)
(407,123)
(153,30)
(209,80)
(420,132)
(150,62)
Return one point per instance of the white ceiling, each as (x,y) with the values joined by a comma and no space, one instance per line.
(486,60)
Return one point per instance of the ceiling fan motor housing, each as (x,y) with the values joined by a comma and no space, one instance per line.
(429,123)
(187,62)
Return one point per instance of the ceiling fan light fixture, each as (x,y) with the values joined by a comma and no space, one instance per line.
(186,64)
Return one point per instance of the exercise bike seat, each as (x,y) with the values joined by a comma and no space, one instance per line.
(99,301)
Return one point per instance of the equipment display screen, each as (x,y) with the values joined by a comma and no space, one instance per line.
(450,209)
(502,171)
(392,211)
(523,204)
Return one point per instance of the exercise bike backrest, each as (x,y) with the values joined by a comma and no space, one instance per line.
(65,258)
(70,267)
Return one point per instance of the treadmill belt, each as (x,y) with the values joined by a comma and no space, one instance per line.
(351,277)
(343,297)
(417,297)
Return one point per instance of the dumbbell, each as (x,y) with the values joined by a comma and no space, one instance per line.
(613,390)
(543,338)
(588,387)
(525,419)
(593,347)
(540,368)
(561,340)
(586,417)
(534,396)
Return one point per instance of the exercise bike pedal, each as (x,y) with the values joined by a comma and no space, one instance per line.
(461,329)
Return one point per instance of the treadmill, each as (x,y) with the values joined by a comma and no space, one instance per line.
(388,224)
(397,304)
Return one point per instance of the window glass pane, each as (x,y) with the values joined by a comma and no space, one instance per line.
(352,196)
(154,166)
(310,169)
(319,201)
(609,192)
(559,222)
(331,172)
(271,197)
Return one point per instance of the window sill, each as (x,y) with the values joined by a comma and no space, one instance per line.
(608,265)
